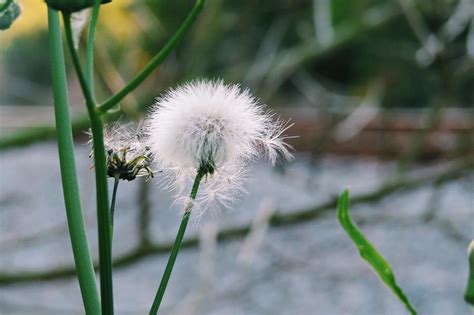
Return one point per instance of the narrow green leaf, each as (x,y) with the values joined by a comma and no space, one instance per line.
(469,294)
(368,252)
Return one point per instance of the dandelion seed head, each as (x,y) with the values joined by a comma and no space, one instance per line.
(214,127)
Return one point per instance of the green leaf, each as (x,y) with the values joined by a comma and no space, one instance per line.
(9,12)
(469,294)
(368,252)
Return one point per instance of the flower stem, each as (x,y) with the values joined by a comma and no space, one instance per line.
(75,219)
(100,166)
(90,46)
(112,202)
(177,244)
(157,59)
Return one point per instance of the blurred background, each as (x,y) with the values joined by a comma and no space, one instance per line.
(381,94)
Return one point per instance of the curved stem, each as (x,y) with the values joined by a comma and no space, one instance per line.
(75,219)
(90,46)
(157,60)
(77,66)
(176,246)
(112,202)
(100,166)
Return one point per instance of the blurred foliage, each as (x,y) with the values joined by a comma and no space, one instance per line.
(25,60)
(243,41)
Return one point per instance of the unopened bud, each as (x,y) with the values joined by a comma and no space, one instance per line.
(9,11)
(70,6)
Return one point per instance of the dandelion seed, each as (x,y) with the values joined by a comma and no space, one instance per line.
(217,129)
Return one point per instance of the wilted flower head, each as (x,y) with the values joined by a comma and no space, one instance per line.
(127,154)
(214,128)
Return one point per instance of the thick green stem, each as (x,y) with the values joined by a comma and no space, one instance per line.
(100,166)
(103,216)
(157,60)
(80,247)
(177,244)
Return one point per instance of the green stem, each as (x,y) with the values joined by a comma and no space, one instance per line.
(103,216)
(112,203)
(157,59)
(77,66)
(75,219)
(100,166)
(177,244)
(90,46)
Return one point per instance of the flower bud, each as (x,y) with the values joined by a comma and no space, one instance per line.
(69,6)
(9,11)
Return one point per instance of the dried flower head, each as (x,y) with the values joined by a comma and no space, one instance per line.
(217,129)
(128,156)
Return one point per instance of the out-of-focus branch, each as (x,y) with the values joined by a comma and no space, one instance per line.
(31,135)
(46,132)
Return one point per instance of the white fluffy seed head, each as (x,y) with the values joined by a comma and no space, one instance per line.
(206,123)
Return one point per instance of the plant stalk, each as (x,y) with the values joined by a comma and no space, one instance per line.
(176,246)
(100,166)
(90,46)
(112,202)
(75,219)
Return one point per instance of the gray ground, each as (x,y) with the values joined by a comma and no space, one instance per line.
(300,269)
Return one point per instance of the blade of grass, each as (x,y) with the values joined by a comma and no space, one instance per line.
(469,294)
(368,251)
